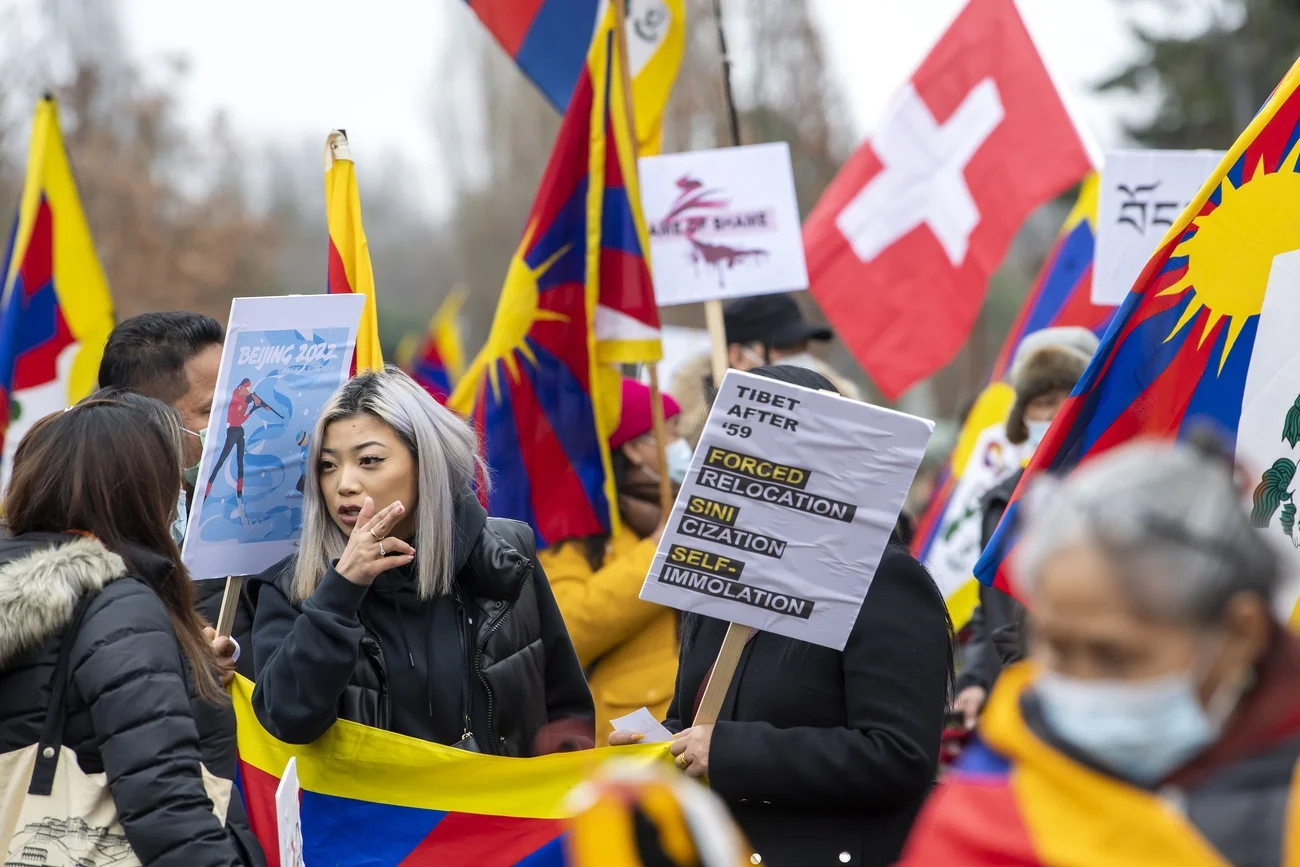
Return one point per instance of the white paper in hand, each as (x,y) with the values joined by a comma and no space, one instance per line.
(289,816)
(643,722)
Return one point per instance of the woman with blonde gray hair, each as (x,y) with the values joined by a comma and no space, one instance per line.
(406,607)
(1157,720)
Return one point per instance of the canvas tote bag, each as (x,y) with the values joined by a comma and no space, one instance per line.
(52,814)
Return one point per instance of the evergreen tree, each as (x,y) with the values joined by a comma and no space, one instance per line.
(1206,84)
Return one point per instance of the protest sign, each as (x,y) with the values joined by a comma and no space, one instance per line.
(1142,193)
(288,816)
(723,223)
(786,511)
(282,359)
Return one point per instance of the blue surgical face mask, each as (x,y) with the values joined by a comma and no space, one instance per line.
(678,454)
(182,519)
(1142,730)
(1037,430)
(192,473)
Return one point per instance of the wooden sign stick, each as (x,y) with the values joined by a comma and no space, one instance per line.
(660,427)
(229,604)
(724,669)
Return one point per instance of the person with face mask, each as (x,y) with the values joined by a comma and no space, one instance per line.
(1046,366)
(1157,720)
(627,647)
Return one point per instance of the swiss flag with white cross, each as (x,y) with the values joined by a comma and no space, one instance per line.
(901,245)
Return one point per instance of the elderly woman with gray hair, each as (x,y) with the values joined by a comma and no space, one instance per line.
(406,607)
(1157,719)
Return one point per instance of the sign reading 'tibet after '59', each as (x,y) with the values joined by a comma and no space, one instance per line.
(787,509)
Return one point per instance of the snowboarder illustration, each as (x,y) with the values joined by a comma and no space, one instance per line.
(243,403)
(1277,486)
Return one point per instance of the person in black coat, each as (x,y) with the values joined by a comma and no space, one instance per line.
(142,702)
(461,643)
(824,757)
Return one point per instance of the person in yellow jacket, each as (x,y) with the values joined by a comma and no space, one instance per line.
(627,647)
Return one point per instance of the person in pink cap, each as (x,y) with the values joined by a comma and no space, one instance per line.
(627,647)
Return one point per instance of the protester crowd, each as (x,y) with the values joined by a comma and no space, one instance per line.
(1152,691)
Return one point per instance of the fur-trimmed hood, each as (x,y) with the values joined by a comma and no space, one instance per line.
(42,576)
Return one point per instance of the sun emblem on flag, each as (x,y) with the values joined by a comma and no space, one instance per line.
(518,310)
(1230,249)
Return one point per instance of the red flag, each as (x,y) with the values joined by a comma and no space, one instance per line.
(901,246)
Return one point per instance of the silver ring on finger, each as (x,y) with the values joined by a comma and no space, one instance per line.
(382,552)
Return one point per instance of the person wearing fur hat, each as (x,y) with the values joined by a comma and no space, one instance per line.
(627,647)
(1044,371)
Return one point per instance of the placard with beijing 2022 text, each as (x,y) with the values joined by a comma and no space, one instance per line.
(787,509)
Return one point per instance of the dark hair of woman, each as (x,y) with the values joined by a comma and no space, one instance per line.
(108,470)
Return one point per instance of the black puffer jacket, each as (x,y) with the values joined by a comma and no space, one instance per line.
(497,651)
(130,702)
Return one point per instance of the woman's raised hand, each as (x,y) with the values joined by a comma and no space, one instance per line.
(370,549)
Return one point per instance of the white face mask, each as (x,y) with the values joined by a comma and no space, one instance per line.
(804,359)
(679,454)
(1037,430)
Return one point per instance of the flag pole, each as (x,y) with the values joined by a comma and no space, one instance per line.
(713,318)
(658,423)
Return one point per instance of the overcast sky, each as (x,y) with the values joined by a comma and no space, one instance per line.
(291,70)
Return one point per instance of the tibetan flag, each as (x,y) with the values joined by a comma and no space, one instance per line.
(1206,336)
(949,533)
(627,317)
(549,40)
(438,362)
(349,254)
(577,299)
(372,798)
(57,310)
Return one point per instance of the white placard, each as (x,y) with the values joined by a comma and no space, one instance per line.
(723,223)
(786,511)
(282,359)
(288,816)
(1142,194)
